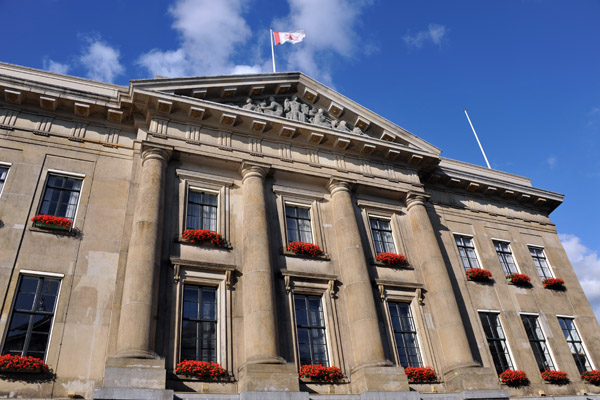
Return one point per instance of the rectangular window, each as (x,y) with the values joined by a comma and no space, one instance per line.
(494,335)
(61,196)
(538,342)
(199,323)
(575,344)
(202,210)
(382,235)
(466,249)
(3,174)
(539,259)
(506,258)
(405,335)
(299,227)
(310,326)
(32,315)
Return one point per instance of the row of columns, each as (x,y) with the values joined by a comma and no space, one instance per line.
(135,336)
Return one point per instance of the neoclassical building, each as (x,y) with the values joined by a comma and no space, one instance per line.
(113,302)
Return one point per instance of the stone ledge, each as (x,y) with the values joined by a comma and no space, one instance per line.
(132,394)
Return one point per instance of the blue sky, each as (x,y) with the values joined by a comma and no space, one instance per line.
(527,71)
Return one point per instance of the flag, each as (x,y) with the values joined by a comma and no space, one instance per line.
(294,37)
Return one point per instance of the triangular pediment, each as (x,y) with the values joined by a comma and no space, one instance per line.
(292,96)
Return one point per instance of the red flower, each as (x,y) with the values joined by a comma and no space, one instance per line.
(518,279)
(13,363)
(420,374)
(305,249)
(592,377)
(478,274)
(513,378)
(52,220)
(557,377)
(203,235)
(553,283)
(391,258)
(320,373)
(201,369)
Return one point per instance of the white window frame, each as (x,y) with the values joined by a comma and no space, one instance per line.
(57,172)
(9,167)
(371,209)
(508,242)
(585,348)
(199,189)
(541,319)
(536,246)
(310,211)
(454,234)
(500,319)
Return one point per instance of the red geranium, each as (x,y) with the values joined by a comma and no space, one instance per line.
(391,258)
(553,283)
(320,373)
(558,377)
(201,369)
(478,274)
(203,235)
(518,279)
(52,220)
(592,377)
(420,374)
(305,249)
(13,363)
(513,378)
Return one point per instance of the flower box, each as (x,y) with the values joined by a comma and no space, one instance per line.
(209,371)
(203,236)
(19,364)
(391,259)
(556,377)
(513,378)
(320,373)
(420,374)
(479,274)
(518,279)
(592,377)
(554,283)
(305,249)
(51,222)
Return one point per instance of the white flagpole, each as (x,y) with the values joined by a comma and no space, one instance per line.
(478,142)
(272,50)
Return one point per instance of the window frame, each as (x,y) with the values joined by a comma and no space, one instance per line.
(373,216)
(8,167)
(370,209)
(196,189)
(413,332)
(507,242)
(551,357)
(531,247)
(311,220)
(511,359)
(477,258)
(585,349)
(310,328)
(73,175)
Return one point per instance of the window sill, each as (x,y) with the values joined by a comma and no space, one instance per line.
(204,245)
(60,232)
(185,378)
(342,381)
(406,266)
(320,257)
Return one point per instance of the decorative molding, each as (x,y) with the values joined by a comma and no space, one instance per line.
(158,128)
(192,134)
(43,126)
(78,132)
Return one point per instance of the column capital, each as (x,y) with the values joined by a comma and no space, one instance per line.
(253,170)
(339,185)
(416,199)
(162,154)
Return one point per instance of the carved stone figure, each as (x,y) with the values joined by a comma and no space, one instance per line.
(358,131)
(250,106)
(342,126)
(320,119)
(293,109)
(274,108)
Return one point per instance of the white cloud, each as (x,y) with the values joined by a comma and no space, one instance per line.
(434,33)
(53,66)
(101,61)
(211,33)
(551,160)
(586,263)
(330,33)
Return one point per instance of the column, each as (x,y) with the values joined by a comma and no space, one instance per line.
(136,324)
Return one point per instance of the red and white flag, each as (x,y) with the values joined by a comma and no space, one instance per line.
(293,37)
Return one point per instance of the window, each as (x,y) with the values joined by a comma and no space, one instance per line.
(494,335)
(61,196)
(299,228)
(505,257)
(310,328)
(202,210)
(382,235)
(575,344)
(538,342)
(32,315)
(3,174)
(539,259)
(199,323)
(466,249)
(405,335)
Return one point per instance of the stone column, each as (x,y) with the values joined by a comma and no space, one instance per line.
(136,324)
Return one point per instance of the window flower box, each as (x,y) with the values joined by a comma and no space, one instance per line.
(514,378)
(51,222)
(556,377)
(479,274)
(305,249)
(518,279)
(18,364)
(320,373)
(554,283)
(592,377)
(392,259)
(206,371)
(420,374)
(203,236)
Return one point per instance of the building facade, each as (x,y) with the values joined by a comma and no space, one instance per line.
(115,301)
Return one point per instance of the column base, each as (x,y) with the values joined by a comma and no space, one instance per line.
(470,378)
(132,394)
(134,379)
(379,379)
(268,378)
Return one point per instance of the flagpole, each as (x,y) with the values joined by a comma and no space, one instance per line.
(478,142)
(272,50)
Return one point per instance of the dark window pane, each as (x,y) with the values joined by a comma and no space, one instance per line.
(199,324)
(298,223)
(310,328)
(405,335)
